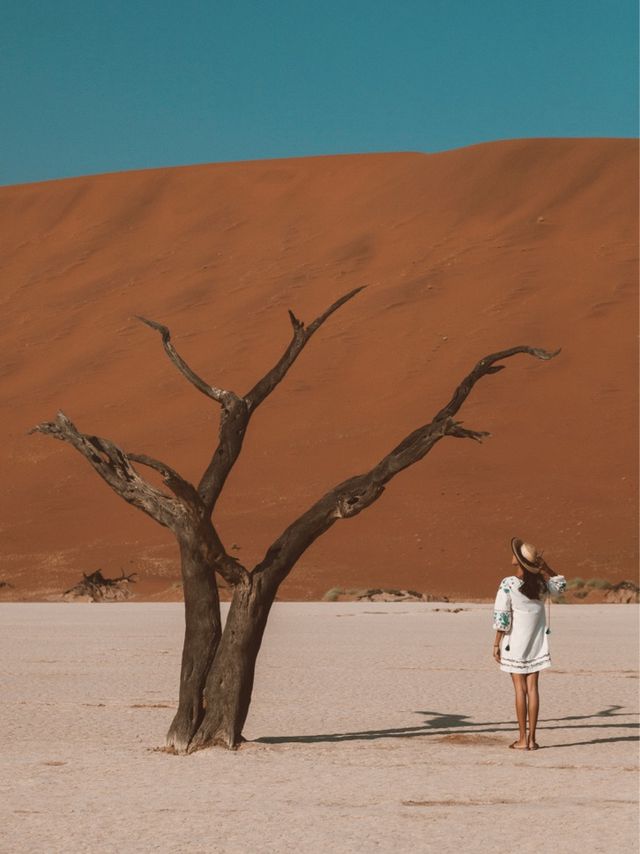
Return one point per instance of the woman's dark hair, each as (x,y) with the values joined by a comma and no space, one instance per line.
(533,585)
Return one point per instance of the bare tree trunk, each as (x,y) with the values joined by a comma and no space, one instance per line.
(230,682)
(201,639)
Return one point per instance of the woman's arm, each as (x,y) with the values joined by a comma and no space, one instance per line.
(501,615)
(555,583)
(496,646)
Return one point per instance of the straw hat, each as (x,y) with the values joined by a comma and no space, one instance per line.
(527,555)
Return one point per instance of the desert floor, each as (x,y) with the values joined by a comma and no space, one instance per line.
(374,727)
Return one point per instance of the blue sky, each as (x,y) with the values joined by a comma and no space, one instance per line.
(88,86)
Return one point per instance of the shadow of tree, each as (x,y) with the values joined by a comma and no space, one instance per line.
(592,741)
(441,724)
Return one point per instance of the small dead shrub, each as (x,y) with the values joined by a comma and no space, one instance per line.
(101,589)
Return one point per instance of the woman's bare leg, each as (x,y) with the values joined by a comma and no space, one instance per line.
(520,687)
(533,706)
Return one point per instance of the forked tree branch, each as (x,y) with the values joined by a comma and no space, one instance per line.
(181,514)
(180,487)
(236,415)
(114,467)
(301,335)
(349,498)
(236,410)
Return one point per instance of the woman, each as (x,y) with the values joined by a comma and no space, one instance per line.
(521,647)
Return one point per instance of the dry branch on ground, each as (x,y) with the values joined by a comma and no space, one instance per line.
(101,589)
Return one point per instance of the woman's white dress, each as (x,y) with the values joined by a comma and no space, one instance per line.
(524,647)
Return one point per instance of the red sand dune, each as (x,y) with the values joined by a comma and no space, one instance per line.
(465,252)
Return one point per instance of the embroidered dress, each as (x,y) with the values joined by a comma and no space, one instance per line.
(522,620)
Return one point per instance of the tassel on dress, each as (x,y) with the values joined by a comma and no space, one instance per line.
(548,629)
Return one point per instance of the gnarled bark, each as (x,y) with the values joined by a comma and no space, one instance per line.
(229,685)
(203,629)
(218,666)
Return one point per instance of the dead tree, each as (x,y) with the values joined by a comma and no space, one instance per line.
(100,589)
(218,667)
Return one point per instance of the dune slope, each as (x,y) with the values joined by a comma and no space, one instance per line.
(464,253)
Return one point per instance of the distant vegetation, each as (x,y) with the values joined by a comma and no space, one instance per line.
(577,589)
(375,594)
(599,584)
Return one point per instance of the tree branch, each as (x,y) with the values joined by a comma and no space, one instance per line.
(114,467)
(237,412)
(351,497)
(456,430)
(488,366)
(180,487)
(218,394)
(224,564)
(179,514)
(233,425)
(301,335)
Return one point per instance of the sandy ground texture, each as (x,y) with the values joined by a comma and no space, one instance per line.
(374,728)
(464,253)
